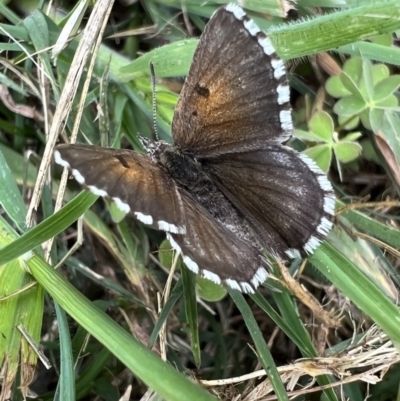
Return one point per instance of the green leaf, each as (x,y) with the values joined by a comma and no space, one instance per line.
(18,308)
(169,61)
(210,291)
(332,30)
(335,87)
(351,85)
(367,82)
(347,151)
(66,386)
(17,32)
(368,224)
(349,123)
(390,133)
(166,255)
(352,136)
(322,155)
(321,124)
(376,119)
(379,73)
(353,68)
(349,106)
(306,136)
(13,85)
(386,87)
(390,101)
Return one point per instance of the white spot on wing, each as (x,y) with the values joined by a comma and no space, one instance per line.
(144,218)
(324,183)
(279,68)
(324,226)
(267,45)
(312,244)
(233,284)
(313,166)
(235,10)
(78,176)
(97,191)
(329,205)
(191,265)
(174,244)
(252,27)
(285,117)
(260,276)
(283,94)
(211,276)
(246,288)
(59,160)
(172,228)
(293,253)
(124,207)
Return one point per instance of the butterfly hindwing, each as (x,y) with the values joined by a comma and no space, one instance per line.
(214,252)
(283,195)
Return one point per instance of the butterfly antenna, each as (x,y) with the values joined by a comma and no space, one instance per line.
(154,104)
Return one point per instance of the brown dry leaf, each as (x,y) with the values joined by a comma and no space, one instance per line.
(22,109)
(389,156)
(328,63)
(306,298)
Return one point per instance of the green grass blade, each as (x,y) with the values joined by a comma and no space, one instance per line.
(361,290)
(158,375)
(192,317)
(294,328)
(385,233)
(373,51)
(10,197)
(172,300)
(337,29)
(264,355)
(49,227)
(66,386)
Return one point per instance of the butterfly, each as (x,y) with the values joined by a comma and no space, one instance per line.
(227,190)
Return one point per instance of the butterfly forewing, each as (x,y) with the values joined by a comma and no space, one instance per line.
(235,95)
(131,179)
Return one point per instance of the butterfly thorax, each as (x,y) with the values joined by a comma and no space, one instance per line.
(185,170)
(189,174)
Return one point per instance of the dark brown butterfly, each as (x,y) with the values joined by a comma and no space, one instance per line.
(227,189)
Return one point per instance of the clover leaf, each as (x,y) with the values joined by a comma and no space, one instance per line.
(364,91)
(321,131)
